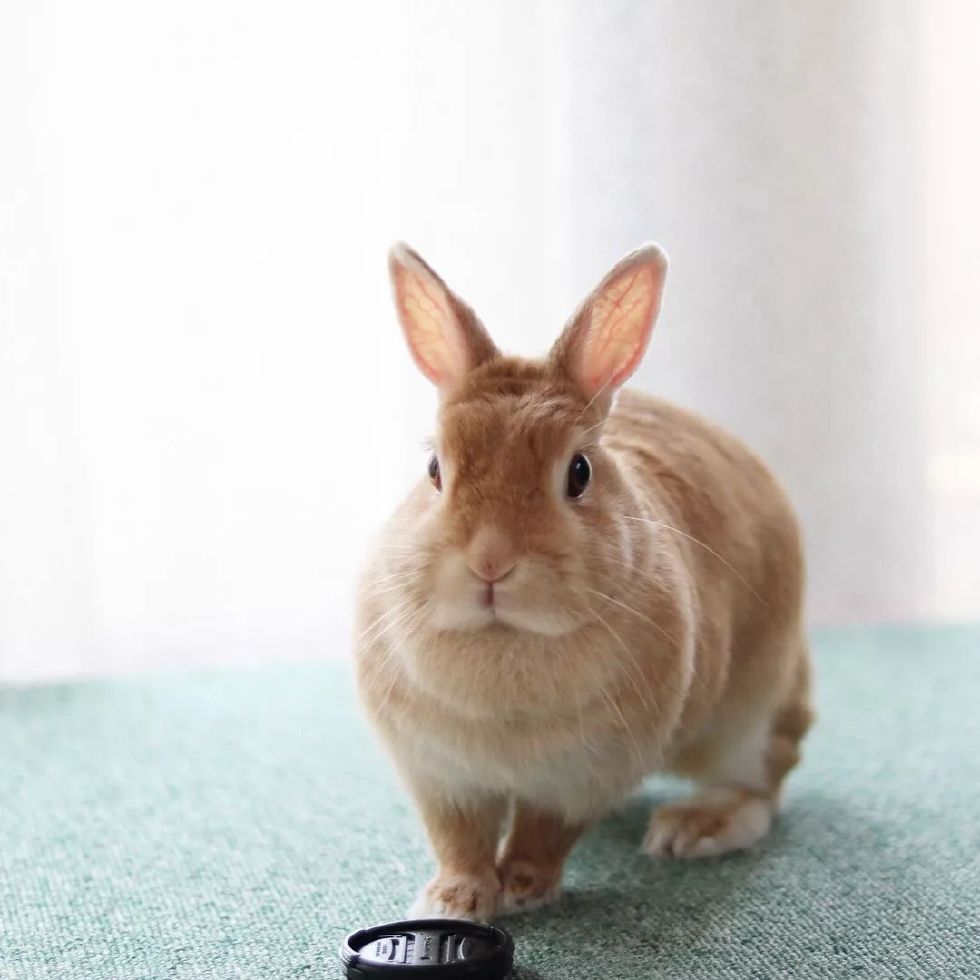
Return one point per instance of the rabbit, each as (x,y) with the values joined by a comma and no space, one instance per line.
(586,587)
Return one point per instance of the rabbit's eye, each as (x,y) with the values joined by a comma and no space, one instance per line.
(579,474)
(434,475)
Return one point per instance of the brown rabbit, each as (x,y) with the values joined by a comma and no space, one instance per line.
(584,590)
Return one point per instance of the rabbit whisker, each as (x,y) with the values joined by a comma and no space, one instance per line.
(643,691)
(393,683)
(674,640)
(708,548)
(399,613)
(415,619)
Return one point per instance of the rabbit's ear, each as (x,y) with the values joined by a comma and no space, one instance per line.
(444,335)
(606,338)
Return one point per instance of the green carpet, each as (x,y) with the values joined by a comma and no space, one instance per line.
(236,824)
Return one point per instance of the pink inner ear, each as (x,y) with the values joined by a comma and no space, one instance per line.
(429,324)
(621,322)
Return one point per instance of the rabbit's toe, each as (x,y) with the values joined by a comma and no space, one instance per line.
(527,886)
(709,824)
(458,897)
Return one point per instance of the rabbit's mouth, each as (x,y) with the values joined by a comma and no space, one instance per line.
(495,600)
(526,597)
(489,594)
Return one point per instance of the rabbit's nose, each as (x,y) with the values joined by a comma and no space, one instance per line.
(491,571)
(490,556)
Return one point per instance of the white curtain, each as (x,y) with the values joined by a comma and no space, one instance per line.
(205,407)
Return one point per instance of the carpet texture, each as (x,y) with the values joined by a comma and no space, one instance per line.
(237,824)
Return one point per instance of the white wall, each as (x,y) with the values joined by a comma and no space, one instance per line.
(948,152)
(204,404)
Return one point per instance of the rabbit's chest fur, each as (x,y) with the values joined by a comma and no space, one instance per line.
(580,739)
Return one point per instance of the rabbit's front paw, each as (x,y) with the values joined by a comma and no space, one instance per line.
(709,824)
(527,885)
(456,896)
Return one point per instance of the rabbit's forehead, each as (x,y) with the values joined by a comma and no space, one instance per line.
(508,432)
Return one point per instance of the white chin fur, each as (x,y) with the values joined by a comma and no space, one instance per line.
(466,617)
(469,618)
(536,621)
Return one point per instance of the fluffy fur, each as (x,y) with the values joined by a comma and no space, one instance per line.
(528,658)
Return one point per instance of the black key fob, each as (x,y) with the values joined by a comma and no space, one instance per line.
(420,949)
